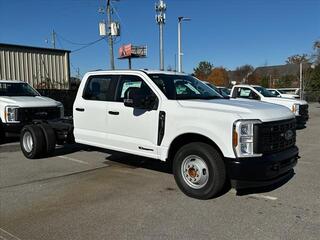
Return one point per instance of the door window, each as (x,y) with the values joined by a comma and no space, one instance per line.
(129,81)
(246,93)
(99,88)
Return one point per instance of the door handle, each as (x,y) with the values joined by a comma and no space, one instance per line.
(80,109)
(113,113)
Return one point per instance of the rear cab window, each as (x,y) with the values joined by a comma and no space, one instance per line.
(100,88)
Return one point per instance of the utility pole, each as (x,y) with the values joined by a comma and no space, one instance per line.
(180,19)
(53,39)
(110,36)
(301,85)
(78,73)
(160,19)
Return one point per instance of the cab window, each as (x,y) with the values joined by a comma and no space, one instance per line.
(99,88)
(246,93)
(128,82)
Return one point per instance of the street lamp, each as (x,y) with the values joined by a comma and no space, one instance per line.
(180,19)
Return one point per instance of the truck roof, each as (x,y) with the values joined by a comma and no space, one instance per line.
(147,71)
(246,85)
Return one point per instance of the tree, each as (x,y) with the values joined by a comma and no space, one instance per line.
(242,72)
(285,81)
(254,79)
(312,79)
(265,81)
(203,70)
(219,77)
(316,54)
(296,59)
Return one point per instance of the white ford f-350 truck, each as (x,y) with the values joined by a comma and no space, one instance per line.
(254,92)
(173,117)
(20,104)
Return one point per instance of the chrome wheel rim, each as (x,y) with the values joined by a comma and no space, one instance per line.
(27,142)
(194,171)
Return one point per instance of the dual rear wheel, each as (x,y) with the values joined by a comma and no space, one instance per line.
(37,140)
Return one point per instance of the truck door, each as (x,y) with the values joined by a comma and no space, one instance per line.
(91,110)
(129,129)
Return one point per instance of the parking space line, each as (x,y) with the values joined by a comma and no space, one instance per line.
(257,195)
(73,160)
(306,162)
(264,197)
(10,234)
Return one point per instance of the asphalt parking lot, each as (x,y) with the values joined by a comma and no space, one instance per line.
(84,193)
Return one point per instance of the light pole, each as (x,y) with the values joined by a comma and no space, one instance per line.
(180,19)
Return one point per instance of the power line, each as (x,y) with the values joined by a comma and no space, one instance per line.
(71,42)
(88,45)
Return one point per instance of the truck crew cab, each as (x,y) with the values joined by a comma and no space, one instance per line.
(176,118)
(254,92)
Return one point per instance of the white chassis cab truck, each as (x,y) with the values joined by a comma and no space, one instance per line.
(209,141)
(254,92)
(20,105)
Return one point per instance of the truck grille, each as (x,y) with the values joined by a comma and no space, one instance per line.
(271,137)
(303,111)
(43,113)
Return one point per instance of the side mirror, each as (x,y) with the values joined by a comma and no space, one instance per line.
(254,97)
(138,98)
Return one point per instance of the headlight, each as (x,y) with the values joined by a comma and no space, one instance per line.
(243,138)
(295,108)
(11,114)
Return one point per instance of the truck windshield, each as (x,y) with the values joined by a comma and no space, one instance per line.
(17,89)
(183,87)
(264,92)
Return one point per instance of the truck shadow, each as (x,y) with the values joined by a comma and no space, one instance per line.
(9,140)
(248,191)
(133,162)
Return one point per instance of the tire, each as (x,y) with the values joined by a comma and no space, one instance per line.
(32,141)
(199,170)
(50,138)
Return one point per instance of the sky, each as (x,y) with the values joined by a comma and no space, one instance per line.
(227,33)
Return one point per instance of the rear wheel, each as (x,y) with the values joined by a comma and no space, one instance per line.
(32,141)
(199,170)
(50,138)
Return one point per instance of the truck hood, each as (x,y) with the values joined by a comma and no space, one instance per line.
(25,101)
(284,101)
(244,109)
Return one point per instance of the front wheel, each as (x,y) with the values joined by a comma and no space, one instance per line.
(199,170)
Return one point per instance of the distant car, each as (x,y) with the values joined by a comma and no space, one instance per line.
(225,90)
(218,90)
(282,93)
